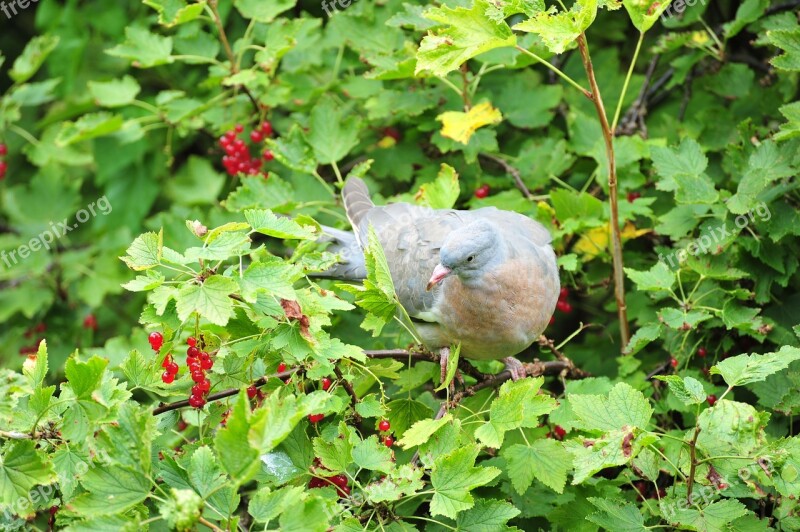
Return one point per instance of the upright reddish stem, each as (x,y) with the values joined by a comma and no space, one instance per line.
(616,239)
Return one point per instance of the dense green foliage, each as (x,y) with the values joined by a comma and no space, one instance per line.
(113,113)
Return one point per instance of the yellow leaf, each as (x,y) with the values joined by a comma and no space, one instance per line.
(460,126)
(596,241)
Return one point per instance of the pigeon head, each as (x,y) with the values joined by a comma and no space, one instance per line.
(468,252)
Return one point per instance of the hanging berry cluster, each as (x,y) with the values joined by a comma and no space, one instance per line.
(563,305)
(385,427)
(237,158)
(197,362)
(3,163)
(340,482)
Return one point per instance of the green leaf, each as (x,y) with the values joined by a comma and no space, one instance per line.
(266,222)
(115,92)
(32,57)
(85,377)
(87,127)
(658,279)
(644,13)
(745,369)
(560,30)
(688,390)
(422,430)
(488,515)
(623,407)
(210,300)
(234,452)
(111,490)
(642,337)
(614,515)
(615,448)
(175,12)
(453,477)
(546,460)
(331,135)
(712,518)
(789,42)
(373,455)
(270,425)
(145,252)
(204,473)
(35,369)
(22,467)
(261,11)
(443,192)
(766,165)
(517,405)
(143,48)
(466,33)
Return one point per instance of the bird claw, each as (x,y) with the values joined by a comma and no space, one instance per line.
(516,368)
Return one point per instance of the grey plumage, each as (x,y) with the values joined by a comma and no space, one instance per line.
(514,269)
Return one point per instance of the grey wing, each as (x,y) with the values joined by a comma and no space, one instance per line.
(411,237)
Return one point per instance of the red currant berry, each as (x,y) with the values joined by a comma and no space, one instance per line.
(392,132)
(156,340)
(316,418)
(198,376)
(281,367)
(191,341)
(172,368)
(167,377)
(559,432)
(564,293)
(633,196)
(388,441)
(256,136)
(384,425)
(268,155)
(252,391)
(196,401)
(206,363)
(3,169)
(192,352)
(711,400)
(167,360)
(339,480)
(194,365)
(90,322)
(231,134)
(326,383)
(344,492)
(673,362)
(239,128)
(552,320)
(701,352)
(204,386)
(266,129)
(564,307)
(482,191)
(53,510)
(3,150)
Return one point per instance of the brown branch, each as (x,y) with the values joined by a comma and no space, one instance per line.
(465,89)
(225,393)
(616,238)
(350,391)
(514,173)
(212,4)
(693,467)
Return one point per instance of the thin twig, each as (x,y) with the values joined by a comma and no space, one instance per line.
(693,466)
(350,391)
(209,524)
(616,238)
(511,170)
(225,393)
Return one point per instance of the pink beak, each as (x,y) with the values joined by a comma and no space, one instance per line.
(439,273)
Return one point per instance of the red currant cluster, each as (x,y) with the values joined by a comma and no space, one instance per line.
(3,163)
(237,158)
(482,191)
(384,427)
(198,362)
(339,481)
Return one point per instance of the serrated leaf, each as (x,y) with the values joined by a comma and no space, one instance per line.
(658,279)
(617,515)
(623,407)
(373,455)
(518,405)
(466,33)
(422,430)
(460,126)
(453,477)
(443,192)
(545,459)
(560,30)
(745,369)
(110,490)
(145,251)
(644,13)
(263,11)
(210,300)
(488,515)
(115,92)
(143,48)
(330,134)
(688,390)
(266,222)
(32,57)
(22,467)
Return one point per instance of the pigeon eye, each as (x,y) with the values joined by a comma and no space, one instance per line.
(470,258)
